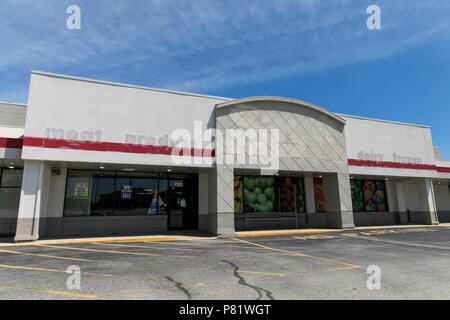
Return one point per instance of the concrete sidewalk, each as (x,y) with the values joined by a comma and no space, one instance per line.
(243,234)
(6,242)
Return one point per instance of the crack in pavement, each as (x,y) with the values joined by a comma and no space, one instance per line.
(180,286)
(242,281)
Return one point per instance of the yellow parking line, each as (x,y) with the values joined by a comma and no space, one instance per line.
(184,286)
(87,241)
(56,292)
(324,270)
(156,254)
(254,272)
(96,260)
(318,237)
(31,268)
(122,293)
(205,245)
(117,252)
(105,275)
(205,284)
(350,234)
(147,247)
(395,231)
(64,258)
(246,234)
(44,255)
(129,262)
(296,253)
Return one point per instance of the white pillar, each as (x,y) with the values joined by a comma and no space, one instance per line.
(52,225)
(401,203)
(391,196)
(33,200)
(203,201)
(428,202)
(309,195)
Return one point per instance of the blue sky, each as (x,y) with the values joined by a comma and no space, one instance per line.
(319,51)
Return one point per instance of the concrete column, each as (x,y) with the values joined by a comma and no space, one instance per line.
(309,195)
(338,200)
(401,203)
(203,208)
(33,200)
(51,225)
(391,196)
(428,202)
(221,204)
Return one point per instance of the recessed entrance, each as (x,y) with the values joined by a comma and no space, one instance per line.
(182,202)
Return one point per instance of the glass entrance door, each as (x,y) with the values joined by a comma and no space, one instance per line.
(183,213)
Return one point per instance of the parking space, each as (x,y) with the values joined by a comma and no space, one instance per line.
(413,262)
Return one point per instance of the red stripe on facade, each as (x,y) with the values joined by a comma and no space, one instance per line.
(388,164)
(443,169)
(11,143)
(114,147)
(150,149)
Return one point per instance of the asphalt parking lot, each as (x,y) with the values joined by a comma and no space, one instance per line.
(413,263)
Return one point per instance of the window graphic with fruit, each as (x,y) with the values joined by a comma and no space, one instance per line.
(301,207)
(268,194)
(374,196)
(369,196)
(291,195)
(357,195)
(259,194)
(238,194)
(319,195)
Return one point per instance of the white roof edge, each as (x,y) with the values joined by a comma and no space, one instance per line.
(14,103)
(118,84)
(381,120)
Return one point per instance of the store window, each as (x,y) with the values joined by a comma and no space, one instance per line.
(10,186)
(136,194)
(291,194)
(102,200)
(11,178)
(163,191)
(369,196)
(268,194)
(105,193)
(78,193)
(319,195)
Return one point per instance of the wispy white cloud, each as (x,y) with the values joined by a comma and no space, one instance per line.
(202,45)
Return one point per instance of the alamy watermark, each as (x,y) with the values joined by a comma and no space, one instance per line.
(374,20)
(74,19)
(73,22)
(232,147)
(73,282)
(374,280)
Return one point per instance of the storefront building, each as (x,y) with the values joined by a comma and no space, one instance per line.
(91,158)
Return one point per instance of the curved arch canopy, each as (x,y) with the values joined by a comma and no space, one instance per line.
(299,103)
